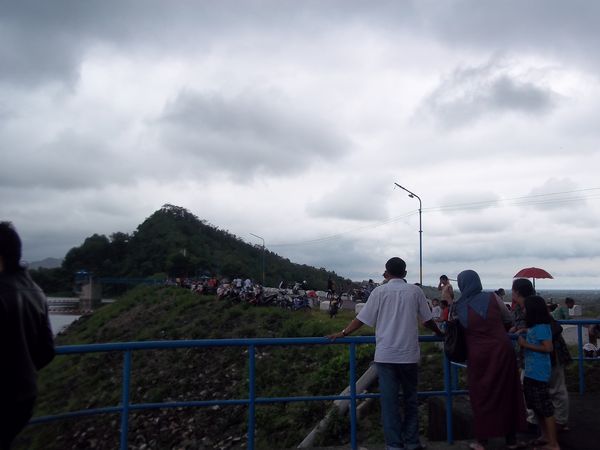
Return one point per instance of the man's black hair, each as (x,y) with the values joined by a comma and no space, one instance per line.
(10,247)
(536,311)
(569,300)
(444,277)
(396,267)
(523,287)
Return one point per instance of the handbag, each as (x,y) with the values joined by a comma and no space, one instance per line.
(455,341)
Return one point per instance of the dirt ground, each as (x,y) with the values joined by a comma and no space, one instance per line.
(583,435)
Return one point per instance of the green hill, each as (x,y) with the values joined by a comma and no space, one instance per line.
(173,242)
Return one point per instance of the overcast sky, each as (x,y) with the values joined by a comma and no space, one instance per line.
(292,120)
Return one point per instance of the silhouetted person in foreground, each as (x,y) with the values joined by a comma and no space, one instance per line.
(26,343)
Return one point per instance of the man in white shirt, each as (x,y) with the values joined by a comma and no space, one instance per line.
(395,309)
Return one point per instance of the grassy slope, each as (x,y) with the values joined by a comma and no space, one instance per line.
(76,382)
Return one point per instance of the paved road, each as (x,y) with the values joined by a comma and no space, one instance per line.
(570,334)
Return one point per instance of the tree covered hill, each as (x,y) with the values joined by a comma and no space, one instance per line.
(173,242)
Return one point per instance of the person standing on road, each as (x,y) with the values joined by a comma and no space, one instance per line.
(26,343)
(395,309)
(495,389)
(538,347)
(560,358)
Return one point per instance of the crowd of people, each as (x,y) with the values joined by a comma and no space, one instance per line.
(512,386)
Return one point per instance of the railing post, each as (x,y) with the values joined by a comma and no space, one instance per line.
(448,386)
(580,358)
(454,376)
(125,399)
(353,396)
(251,396)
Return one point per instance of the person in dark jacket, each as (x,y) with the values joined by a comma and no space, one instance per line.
(26,343)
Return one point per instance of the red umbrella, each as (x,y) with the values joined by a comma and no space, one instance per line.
(533,272)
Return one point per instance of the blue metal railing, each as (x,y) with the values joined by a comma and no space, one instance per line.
(580,356)
(580,323)
(450,379)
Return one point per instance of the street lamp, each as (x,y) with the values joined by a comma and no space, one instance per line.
(263,257)
(413,195)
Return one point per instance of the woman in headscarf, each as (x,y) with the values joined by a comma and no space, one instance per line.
(493,379)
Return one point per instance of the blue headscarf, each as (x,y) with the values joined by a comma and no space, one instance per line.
(472,296)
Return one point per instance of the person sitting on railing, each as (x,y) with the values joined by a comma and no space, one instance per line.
(26,343)
(395,309)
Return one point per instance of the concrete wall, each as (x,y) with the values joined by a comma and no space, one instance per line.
(90,297)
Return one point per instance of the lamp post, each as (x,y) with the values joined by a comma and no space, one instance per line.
(263,257)
(413,195)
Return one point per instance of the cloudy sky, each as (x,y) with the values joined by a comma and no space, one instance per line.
(292,120)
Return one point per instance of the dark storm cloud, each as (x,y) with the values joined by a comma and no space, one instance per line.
(46,41)
(247,134)
(357,199)
(549,27)
(68,161)
(473,93)
(5,114)
(533,244)
(345,255)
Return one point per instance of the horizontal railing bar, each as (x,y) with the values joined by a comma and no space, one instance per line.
(81,413)
(208,403)
(188,404)
(154,345)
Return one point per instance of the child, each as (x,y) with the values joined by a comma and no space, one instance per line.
(443,319)
(538,346)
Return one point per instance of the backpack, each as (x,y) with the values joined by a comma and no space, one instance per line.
(455,341)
